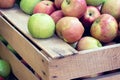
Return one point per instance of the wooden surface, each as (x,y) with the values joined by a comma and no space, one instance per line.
(53,46)
(114,77)
(81,65)
(26,50)
(47,62)
(20,71)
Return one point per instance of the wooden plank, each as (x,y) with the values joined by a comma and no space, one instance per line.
(20,71)
(54,46)
(84,64)
(112,77)
(37,60)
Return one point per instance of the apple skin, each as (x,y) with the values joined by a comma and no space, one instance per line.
(104,28)
(74,8)
(5,68)
(88,42)
(112,7)
(89,17)
(1,78)
(70,29)
(5,4)
(58,3)
(95,2)
(27,6)
(57,15)
(41,25)
(44,7)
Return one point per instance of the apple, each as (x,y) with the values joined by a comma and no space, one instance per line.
(44,7)
(41,25)
(89,17)
(6,3)
(70,29)
(5,68)
(112,7)
(57,15)
(1,78)
(104,28)
(88,42)
(58,3)
(95,2)
(28,5)
(74,8)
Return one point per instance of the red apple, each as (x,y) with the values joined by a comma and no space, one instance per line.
(58,3)
(7,3)
(88,18)
(112,7)
(88,42)
(57,15)
(70,29)
(44,7)
(74,8)
(104,28)
(1,78)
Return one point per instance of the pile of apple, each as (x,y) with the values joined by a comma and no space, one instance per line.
(86,24)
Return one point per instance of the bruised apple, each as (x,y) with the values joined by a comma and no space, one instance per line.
(104,28)
(70,29)
(6,3)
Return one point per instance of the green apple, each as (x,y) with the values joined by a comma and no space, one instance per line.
(5,68)
(95,2)
(28,5)
(41,25)
(88,42)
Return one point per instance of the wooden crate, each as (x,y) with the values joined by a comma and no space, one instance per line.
(18,68)
(52,58)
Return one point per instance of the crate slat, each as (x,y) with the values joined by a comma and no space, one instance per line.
(47,62)
(112,77)
(81,65)
(26,50)
(54,46)
(17,67)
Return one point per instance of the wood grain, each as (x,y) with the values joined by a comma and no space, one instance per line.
(53,46)
(112,77)
(81,65)
(26,50)
(17,67)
